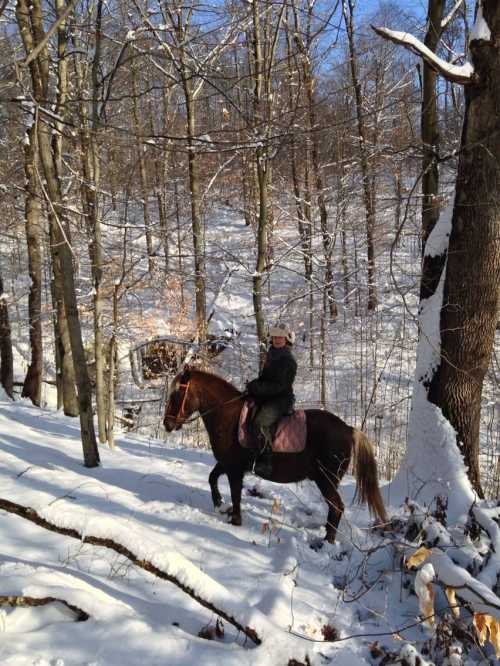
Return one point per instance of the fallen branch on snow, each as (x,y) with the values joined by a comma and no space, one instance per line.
(27,602)
(31,515)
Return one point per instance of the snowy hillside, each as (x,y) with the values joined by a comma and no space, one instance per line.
(348,603)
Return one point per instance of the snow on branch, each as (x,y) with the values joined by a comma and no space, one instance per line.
(462,74)
(448,19)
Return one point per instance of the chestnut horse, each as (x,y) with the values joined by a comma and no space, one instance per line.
(325,459)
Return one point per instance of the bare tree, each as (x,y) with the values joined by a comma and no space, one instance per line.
(30,21)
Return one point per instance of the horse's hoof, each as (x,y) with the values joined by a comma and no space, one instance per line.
(316,544)
(235,520)
(224,509)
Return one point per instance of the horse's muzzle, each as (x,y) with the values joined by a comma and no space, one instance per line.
(169,424)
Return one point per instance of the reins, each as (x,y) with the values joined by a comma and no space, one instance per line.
(179,416)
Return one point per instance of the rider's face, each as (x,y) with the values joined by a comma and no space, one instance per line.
(278,341)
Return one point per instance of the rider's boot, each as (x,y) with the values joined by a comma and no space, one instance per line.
(264,463)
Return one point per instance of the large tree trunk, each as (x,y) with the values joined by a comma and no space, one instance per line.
(472,285)
(90,158)
(32,387)
(457,360)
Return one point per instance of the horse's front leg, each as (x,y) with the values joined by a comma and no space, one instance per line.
(213,479)
(235,476)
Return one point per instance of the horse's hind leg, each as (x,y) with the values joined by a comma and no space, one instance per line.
(328,488)
(235,477)
(214,486)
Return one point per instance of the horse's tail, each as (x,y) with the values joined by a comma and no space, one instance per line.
(365,471)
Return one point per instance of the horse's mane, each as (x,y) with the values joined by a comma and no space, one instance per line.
(215,378)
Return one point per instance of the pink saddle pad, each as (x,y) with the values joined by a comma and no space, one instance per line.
(290,435)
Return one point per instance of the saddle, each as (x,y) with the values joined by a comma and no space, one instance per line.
(290,432)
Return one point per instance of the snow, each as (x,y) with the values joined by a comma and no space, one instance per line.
(459,72)
(154,500)
(433,465)
(480,30)
(152,497)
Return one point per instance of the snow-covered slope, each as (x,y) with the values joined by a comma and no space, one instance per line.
(153,498)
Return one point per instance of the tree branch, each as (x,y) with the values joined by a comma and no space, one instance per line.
(462,74)
(22,601)
(30,514)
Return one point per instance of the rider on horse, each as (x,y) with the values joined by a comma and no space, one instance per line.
(272,393)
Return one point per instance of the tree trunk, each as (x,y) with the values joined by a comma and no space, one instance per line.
(64,358)
(32,387)
(262,180)
(142,174)
(472,284)
(90,160)
(6,358)
(368,195)
(471,288)
(196,221)
(31,29)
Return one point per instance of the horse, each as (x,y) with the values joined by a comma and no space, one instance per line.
(330,445)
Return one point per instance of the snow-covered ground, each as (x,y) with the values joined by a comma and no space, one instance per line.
(153,498)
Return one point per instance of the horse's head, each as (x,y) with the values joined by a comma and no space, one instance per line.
(181,401)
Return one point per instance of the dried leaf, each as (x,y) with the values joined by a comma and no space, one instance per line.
(264,528)
(276,506)
(418,557)
(486,623)
(452,600)
(495,636)
(479,621)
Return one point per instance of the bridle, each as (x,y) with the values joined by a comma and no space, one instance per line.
(180,418)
